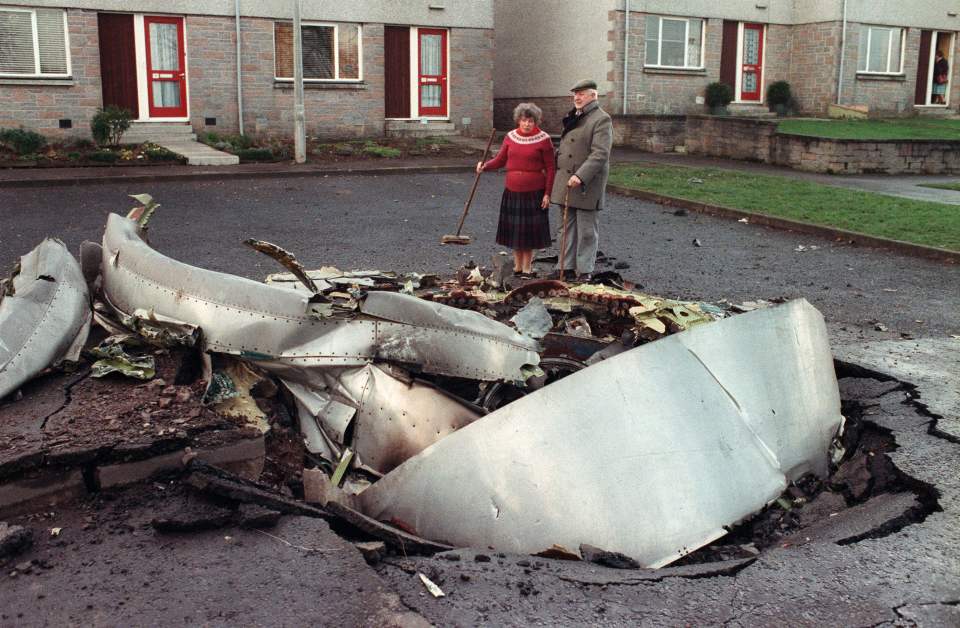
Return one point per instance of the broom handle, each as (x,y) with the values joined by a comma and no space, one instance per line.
(476,180)
(563,231)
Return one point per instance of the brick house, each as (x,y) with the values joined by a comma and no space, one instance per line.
(855,52)
(369,65)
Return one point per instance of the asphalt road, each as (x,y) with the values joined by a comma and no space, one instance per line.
(869,569)
(395,222)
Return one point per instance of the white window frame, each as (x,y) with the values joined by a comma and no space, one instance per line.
(36,47)
(866,59)
(686,43)
(336,54)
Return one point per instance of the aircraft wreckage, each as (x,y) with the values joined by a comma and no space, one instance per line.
(649,449)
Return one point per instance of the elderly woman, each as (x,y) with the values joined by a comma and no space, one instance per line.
(527,153)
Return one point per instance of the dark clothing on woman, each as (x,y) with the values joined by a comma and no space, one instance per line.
(523,223)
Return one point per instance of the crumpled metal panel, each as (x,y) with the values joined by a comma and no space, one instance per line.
(396,420)
(649,453)
(272,325)
(46,319)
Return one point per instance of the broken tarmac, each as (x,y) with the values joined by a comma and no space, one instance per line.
(768,596)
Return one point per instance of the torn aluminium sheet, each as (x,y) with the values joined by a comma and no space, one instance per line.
(44,315)
(324,361)
(274,327)
(649,453)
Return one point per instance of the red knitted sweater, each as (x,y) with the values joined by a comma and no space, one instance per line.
(529,160)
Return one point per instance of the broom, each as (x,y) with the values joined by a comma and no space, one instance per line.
(465,239)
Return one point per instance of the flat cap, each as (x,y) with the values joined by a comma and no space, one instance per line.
(584,84)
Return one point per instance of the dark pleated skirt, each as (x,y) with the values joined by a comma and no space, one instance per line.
(523,225)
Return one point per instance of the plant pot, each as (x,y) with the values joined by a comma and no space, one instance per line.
(719,110)
(780,109)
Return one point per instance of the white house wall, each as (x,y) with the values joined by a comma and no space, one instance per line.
(456,13)
(543,46)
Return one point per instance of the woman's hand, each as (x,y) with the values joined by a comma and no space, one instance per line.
(545,203)
(479,167)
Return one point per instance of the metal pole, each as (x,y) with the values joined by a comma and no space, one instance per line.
(843,49)
(239,70)
(626,49)
(299,130)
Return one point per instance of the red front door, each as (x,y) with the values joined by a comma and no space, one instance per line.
(751,69)
(166,67)
(432,72)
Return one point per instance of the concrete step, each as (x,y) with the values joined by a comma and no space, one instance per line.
(416,128)
(140,132)
(750,111)
(198,154)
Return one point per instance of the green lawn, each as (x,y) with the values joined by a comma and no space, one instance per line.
(921,222)
(893,129)
(942,186)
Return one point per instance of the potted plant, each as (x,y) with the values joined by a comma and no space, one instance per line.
(779,97)
(717,97)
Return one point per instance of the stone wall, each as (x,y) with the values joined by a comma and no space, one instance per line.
(758,140)
(731,137)
(656,134)
(866,156)
(41,104)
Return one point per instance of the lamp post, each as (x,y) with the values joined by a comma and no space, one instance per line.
(299,127)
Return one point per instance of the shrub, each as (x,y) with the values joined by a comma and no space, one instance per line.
(778,93)
(105,156)
(73,156)
(255,154)
(718,95)
(22,141)
(241,142)
(380,151)
(108,125)
(83,143)
(159,153)
(210,137)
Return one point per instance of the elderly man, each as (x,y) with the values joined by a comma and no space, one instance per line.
(582,169)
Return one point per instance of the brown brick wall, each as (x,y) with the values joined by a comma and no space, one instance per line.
(471,80)
(40,107)
(332,110)
(657,134)
(814,65)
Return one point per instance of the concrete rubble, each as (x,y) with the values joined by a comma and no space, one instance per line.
(422,406)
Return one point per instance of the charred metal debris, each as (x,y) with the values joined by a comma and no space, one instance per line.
(473,410)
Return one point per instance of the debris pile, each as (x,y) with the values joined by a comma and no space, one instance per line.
(423,401)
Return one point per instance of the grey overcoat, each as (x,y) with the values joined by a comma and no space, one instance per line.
(585,151)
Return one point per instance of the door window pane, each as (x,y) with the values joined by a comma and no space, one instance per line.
(751,46)
(431,60)
(166,94)
(164,47)
(430,96)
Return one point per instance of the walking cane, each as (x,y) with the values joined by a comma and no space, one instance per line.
(563,231)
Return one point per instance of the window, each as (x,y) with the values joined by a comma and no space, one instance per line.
(331,52)
(881,50)
(33,42)
(673,42)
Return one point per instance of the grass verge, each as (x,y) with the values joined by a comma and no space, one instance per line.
(920,222)
(894,129)
(942,186)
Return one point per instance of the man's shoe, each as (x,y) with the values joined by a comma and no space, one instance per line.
(584,278)
(568,275)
